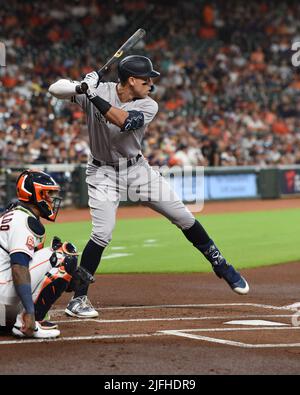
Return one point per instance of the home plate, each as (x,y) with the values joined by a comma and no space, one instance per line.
(255,323)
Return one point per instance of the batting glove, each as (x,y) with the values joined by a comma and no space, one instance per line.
(92,79)
(89,84)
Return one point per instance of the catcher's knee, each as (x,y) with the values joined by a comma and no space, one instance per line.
(66,277)
(54,284)
(64,262)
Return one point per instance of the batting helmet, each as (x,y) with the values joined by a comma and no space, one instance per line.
(136,66)
(39,189)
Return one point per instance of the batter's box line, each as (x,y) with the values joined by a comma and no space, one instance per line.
(117,321)
(168,306)
(79,338)
(183,333)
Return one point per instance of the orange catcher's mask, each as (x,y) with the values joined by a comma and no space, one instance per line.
(39,189)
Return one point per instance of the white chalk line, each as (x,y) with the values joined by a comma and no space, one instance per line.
(117,255)
(266,328)
(293,307)
(100,321)
(255,322)
(180,333)
(183,333)
(78,338)
(168,306)
(100,337)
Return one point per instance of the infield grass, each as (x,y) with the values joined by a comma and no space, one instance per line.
(154,245)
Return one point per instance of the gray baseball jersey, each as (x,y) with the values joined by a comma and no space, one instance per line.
(107,143)
(140,181)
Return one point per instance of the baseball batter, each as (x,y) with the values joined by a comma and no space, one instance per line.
(32,277)
(118,115)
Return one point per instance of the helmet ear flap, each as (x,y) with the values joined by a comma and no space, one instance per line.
(30,182)
(21,175)
(26,177)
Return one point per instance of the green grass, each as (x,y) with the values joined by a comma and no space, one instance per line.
(249,239)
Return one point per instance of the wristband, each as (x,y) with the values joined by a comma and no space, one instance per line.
(24,293)
(102,105)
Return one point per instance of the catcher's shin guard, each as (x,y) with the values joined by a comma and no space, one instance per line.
(54,284)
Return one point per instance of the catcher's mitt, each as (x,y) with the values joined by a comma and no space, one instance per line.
(80,276)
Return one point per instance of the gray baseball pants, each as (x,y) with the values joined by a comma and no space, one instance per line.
(138,183)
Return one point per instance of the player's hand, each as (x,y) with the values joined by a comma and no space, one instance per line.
(28,326)
(92,80)
(89,84)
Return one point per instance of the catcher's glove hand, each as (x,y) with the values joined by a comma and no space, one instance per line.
(66,247)
(64,250)
(56,243)
(80,278)
(70,264)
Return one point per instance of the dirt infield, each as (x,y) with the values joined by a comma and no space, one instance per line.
(174,324)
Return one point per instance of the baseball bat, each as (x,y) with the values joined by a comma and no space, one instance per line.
(130,43)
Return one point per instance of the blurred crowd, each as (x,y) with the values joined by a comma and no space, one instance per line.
(228,93)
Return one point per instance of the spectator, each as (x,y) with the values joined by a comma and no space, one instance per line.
(227,89)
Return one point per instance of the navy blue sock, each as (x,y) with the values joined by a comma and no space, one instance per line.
(198,236)
(90,260)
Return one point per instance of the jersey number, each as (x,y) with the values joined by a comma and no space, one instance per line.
(7,218)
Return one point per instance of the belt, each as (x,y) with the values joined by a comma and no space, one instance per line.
(123,164)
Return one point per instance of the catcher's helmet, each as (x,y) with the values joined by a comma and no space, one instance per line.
(136,66)
(39,189)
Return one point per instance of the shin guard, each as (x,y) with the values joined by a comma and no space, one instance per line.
(54,284)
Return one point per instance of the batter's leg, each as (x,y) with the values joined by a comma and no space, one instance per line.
(103,202)
(200,239)
(173,208)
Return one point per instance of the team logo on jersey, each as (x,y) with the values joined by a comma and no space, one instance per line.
(100,118)
(30,242)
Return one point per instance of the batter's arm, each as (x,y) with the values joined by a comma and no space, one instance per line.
(125,120)
(116,116)
(64,89)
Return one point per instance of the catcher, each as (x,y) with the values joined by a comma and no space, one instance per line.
(32,277)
